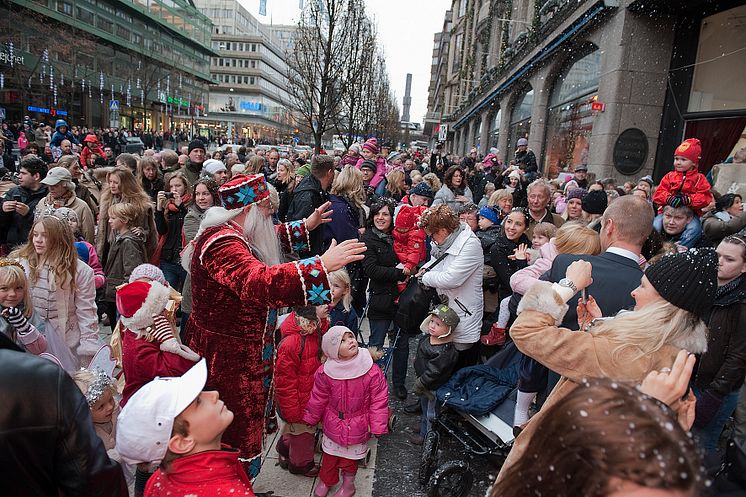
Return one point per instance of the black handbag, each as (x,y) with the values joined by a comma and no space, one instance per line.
(415,302)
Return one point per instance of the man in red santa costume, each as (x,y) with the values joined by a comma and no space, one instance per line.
(238,283)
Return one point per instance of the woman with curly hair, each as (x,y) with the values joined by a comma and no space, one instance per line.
(455,191)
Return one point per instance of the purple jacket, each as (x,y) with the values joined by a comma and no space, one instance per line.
(351,410)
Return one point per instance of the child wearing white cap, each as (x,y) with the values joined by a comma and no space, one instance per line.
(171,421)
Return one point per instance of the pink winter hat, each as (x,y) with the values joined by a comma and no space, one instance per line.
(343,369)
(371,145)
(331,340)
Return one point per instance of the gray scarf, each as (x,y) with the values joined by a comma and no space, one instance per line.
(387,237)
(440,249)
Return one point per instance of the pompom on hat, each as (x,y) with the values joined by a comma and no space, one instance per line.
(243,190)
(138,302)
(691,149)
(687,280)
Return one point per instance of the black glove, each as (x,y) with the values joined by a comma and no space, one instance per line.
(17,320)
(708,403)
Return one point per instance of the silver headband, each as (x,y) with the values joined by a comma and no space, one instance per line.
(101,383)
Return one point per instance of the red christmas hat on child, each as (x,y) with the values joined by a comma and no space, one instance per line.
(243,190)
(691,149)
(138,302)
(371,144)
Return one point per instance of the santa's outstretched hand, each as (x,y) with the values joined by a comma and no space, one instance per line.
(339,255)
(321,215)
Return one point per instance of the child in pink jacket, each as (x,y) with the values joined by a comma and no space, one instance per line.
(350,398)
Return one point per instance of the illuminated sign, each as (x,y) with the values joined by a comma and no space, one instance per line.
(50,111)
(178,101)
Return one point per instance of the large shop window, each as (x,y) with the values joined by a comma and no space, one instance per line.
(569,118)
(520,119)
(720,70)
(495,128)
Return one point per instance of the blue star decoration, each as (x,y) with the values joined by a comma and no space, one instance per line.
(307,262)
(318,295)
(295,225)
(246,194)
(299,247)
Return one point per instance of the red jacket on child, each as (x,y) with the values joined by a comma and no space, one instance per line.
(214,473)
(693,184)
(142,361)
(409,239)
(298,358)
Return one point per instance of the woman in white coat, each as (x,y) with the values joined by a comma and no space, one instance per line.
(458,276)
(63,292)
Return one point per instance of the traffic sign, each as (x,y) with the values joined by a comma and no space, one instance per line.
(443,133)
(296,140)
(113,104)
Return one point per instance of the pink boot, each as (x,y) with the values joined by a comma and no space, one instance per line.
(347,488)
(321,489)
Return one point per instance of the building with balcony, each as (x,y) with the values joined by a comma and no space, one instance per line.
(613,84)
(248,96)
(149,57)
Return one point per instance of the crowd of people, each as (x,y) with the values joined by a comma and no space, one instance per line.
(229,289)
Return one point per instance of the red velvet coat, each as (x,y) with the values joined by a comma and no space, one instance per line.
(215,473)
(234,302)
(298,358)
(142,361)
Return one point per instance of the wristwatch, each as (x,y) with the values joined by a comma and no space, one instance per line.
(567,282)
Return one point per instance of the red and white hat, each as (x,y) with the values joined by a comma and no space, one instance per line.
(243,190)
(371,145)
(138,302)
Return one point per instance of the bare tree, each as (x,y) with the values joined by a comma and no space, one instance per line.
(317,66)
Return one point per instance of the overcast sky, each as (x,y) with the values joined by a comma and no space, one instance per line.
(405,29)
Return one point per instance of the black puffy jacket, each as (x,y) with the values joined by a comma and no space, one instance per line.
(14,227)
(48,446)
(379,265)
(307,196)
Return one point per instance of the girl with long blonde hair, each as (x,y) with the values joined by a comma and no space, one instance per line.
(347,198)
(63,291)
(122,186)
(19,323)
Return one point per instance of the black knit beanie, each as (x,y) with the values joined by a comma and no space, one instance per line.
(595,202)
(687,280)
(196,144)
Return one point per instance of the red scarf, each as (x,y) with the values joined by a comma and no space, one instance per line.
(184,200)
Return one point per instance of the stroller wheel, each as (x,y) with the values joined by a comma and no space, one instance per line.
(453,479)
(429,453)
(393,420)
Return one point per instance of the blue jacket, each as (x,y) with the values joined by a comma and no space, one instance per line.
(57,137)
(338,316)
(478,390)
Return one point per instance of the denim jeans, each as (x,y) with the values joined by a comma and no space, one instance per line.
(400,359)
(691,234)
(174,274)
(428,414)
(710,434)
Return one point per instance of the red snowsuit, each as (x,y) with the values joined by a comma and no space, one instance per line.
(409,239)
(214,473)
(86,152)
(691,183)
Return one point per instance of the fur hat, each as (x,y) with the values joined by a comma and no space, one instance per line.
(445,314)
(243,190)
(138,302)
(691,149)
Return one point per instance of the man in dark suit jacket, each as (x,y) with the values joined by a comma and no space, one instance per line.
(625,226)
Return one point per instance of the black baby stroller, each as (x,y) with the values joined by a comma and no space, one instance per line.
(483,431)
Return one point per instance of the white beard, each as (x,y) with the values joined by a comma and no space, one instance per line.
(262,237)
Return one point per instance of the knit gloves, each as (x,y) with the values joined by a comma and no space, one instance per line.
(16,318)
(708,404)
(679,200)
(164,334)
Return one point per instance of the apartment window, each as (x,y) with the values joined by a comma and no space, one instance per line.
(65,8)
(84,15)
(123,32)
(462,8)
(105,24)
(458,48)
(253,47)
(252,80)
(253,64)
